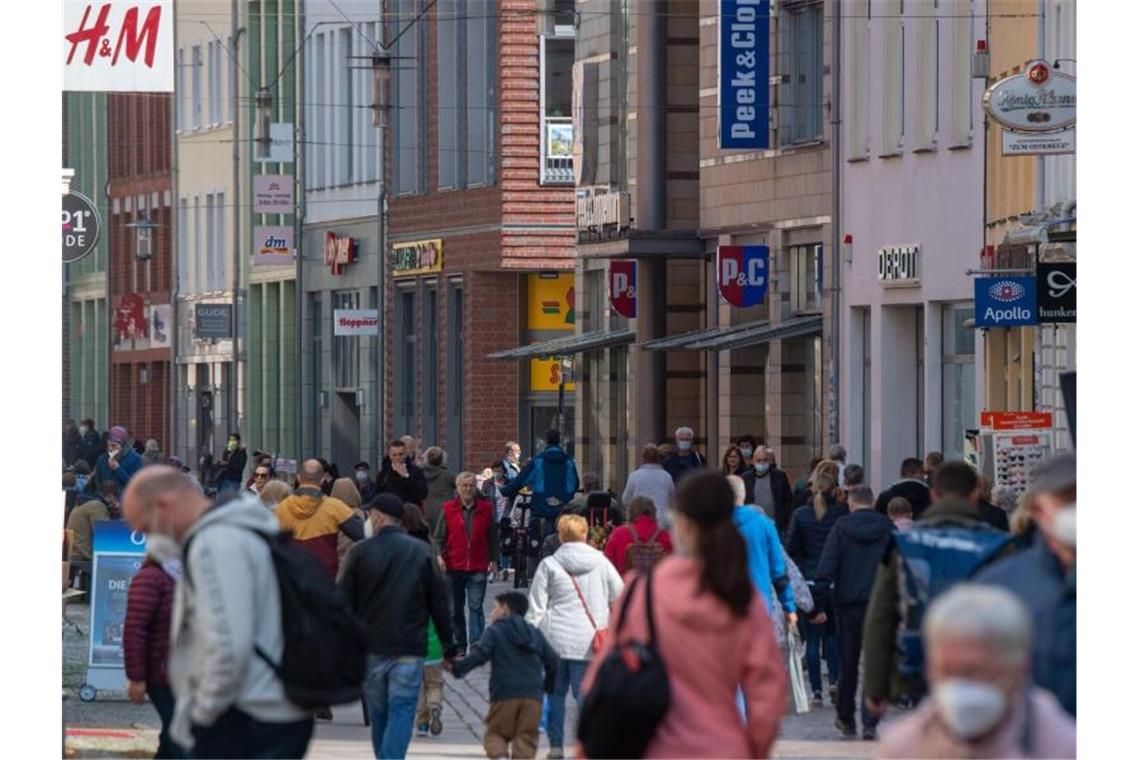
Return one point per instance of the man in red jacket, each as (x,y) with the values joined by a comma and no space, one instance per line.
(469,541)
(146,634)
(652,542)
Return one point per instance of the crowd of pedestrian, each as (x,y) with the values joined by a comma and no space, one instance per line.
(724,580)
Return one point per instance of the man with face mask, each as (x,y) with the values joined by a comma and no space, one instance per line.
(118,463)
(227,607)
(978,643)
(1044,577)
(686,458)
(766,486)
(362,476)
(92,443)
(233,465)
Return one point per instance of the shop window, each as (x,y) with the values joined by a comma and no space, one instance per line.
(431,364)
(346,348)
(455,375)
(403,344)
(958,409)
(801,63)
(806,262)
(316,377)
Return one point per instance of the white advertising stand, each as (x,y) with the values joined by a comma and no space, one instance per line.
(1013,443)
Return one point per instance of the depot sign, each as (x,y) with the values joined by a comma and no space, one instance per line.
(742,274)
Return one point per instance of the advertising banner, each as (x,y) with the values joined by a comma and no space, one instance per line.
(118,46)
(130,320)
(356,322)
(118,553)
(546,374)
(272,194)
(1017,420)
(623,287)
(272,246)
(550,301)
(742,79)
(418,257)
(742,274)
(159,317)
(1057,292)
(1005,301)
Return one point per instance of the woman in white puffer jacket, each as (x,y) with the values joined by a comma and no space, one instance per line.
(558,610)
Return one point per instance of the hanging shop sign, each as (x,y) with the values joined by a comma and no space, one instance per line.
(130,320)
(546,374)
(118,46)
(603,214)
(1057,292)
(1044,144)
(81,227)
(280,144)
(898,265)
(743,74)
(1038,100)
(1017,420)
(550,301)
(623,287)
(273,246)
(159,318)
(272,194)
(1005,301)
(213,321)
(340,251)
(742,274)
(416,258)
(356,322)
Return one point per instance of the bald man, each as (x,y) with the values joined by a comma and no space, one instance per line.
(229,702)
(315,519)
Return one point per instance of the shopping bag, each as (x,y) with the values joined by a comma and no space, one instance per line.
(796,672)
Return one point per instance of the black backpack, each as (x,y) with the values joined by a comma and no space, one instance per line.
(323,660)
(630,694)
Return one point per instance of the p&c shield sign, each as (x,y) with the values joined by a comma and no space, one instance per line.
(1005,301)
(742,274)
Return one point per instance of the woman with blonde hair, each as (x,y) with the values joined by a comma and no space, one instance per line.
(345,490)
(273,492)
(810,525)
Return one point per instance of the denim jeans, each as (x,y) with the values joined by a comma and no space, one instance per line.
(468,590)
(162,698)
(816,636)
(237,734)
(392,689)
(570,674)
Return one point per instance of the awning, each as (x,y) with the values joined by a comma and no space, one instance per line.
(736,336)
(568,345)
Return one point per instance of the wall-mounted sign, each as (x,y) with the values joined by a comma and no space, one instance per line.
(212,321)
(272,246)
(546,374)
(280,144)
(356,322)
(130,320)
(118,46)
(603,214)
(742,274)
(159,318)
(898,265)
(743,74)
(272,194)
(1043,144)
(339,252)
(1005,301)
(550,301)
(623,287)
(1057,291)
(81,226)
(1017,420)
(419,257)
(1038,100)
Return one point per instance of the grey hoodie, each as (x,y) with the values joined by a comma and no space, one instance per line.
(231,605)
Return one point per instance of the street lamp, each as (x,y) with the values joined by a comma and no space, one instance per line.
(381,74)
(262,140)
(144,237)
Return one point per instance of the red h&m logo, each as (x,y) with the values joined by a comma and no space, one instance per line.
(130,34)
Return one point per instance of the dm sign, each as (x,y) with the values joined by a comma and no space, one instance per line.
(81,225)
(623,287)
(1005,301)
(743,75)
(742,273)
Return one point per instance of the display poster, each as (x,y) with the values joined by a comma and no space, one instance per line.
(118,553)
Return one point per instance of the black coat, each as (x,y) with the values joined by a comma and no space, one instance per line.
(852,554)
(394,585)
(233,465)
(913,491)
(92,447)
(994,515)
(413,489)
(808,535)
(781,494)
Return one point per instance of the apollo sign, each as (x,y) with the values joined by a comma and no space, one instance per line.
(742,274)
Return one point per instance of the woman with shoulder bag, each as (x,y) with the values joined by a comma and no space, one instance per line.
(570,600)
(710,634)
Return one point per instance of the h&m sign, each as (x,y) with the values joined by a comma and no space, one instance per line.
(898,265)
(339,251)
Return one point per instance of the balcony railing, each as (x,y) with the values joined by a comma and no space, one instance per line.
(557,166)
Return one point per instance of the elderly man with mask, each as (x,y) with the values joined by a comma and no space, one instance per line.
(1044,577)
(685,458)
(978,641)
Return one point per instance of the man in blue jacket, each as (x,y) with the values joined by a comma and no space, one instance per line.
(118,464)
(1044,576)
(553,479)
(766,564)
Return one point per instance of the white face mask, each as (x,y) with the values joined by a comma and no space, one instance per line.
(684,445)
(162,549)
(746,452)
(1065,526)
(969,708)
(368,527)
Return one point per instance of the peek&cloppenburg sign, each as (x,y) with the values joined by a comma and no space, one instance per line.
(743,76)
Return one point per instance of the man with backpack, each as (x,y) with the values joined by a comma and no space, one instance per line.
(948,545)
(640,543)
(553,479)
(227,622)
(393,586)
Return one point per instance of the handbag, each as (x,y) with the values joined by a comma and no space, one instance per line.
(796,672)
(630,694)
(599,633)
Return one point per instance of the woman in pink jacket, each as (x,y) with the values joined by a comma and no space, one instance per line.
(713,635)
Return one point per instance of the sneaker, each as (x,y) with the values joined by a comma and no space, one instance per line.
(422,729)
(869,734)
(816,699)
(436,721)
(832,691)
(847,729)
(555,753)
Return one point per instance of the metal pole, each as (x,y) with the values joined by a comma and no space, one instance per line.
(175,397)
(298,232)
(235,277)
(836,164)
(382,261)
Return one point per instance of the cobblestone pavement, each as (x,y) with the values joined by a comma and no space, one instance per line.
(811,735)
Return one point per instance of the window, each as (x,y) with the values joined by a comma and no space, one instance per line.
(480,96)
(214,51)
(180,93)
(448,93)
(346,348)
(806,262)
(455,382)
(196,87)
(557,129)
(231,88)
(431,364)
(343,113)
(404,341)
(466,57)
(318,115)
(220,241)
(801,93)
(961,47)
(858,94)
(958,412)
(407,72)
(183,252)
(316,378)
(926,86)
(199,249)
(893,88)
(211,241)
